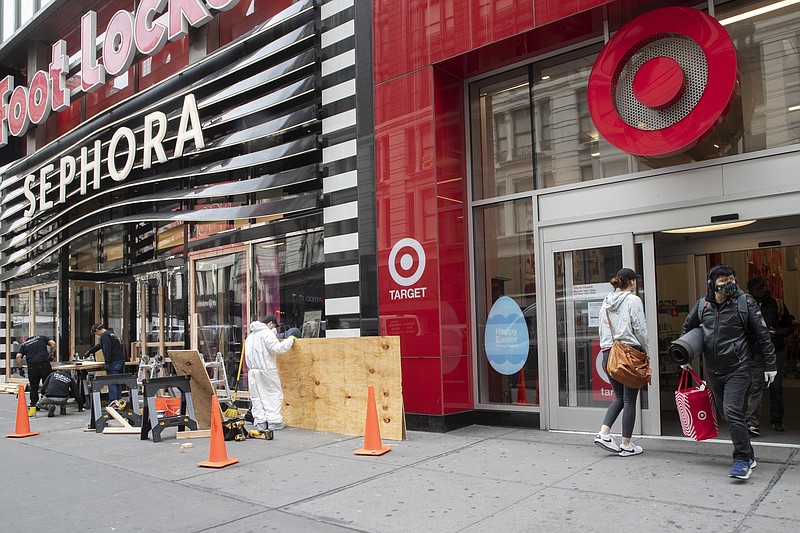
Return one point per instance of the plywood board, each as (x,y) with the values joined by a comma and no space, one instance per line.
(194,434)
(325,385)
(189,363)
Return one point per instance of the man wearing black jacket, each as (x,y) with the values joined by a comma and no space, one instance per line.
(113,355)
(727,354)
(56,390)
(779,323)
(37,351)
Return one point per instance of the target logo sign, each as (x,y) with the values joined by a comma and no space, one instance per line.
(406,266)
(663,82)
(702,415)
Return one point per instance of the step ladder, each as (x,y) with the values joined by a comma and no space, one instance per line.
(219,378)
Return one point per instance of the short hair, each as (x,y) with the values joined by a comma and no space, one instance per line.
(96,327)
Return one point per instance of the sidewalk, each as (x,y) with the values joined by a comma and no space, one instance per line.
(475,479)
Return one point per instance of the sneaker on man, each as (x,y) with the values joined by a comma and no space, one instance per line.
(753,463)
(261,426)
(741,469)
(606,442)
(63,410)
(277,426)
(51,411)
(753,431)
(113,404)
(778,426)
(630,449)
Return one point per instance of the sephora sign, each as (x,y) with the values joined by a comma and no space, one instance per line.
(126,34)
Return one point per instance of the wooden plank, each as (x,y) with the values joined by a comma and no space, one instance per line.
(110,430)
(196,434)
(325,385)
(189,363)
(118,417)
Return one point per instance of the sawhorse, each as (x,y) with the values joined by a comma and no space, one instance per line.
(185,417)
(99,417)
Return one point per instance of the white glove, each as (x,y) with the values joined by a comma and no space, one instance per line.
(687,366)
(769,377)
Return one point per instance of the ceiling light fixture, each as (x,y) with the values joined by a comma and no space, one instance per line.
(712,227)
(759,11)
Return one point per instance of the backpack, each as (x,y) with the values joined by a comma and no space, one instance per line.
(741,304)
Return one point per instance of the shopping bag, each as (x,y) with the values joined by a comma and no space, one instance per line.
(696,407)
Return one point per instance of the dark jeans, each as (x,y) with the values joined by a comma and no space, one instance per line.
(37,372)
(756,392)
(114,391)
(624,402)
(729,391)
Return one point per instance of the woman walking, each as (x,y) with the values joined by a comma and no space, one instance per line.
(622,319)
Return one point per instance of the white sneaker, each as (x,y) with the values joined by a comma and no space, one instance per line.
(606,442)
(631,449)
(275,427)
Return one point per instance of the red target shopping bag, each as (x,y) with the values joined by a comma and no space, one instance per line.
(696,407)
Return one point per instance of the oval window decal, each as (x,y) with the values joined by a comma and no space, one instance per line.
(506,339)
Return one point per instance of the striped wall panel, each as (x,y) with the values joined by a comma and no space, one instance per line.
(340,169)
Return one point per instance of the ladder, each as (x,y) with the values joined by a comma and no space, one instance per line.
(219,378)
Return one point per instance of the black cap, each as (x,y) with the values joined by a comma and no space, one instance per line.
(270,318)
(755,282)
(96,327)
(627,274)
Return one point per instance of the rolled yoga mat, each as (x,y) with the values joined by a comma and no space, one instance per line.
(683,350)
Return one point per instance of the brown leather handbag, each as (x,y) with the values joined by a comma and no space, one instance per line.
(628,365)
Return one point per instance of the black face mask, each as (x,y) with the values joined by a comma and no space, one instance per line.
(728,289)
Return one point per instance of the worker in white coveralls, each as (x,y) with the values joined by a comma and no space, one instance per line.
(266,395)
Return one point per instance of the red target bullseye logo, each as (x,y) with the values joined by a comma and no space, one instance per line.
(663,82)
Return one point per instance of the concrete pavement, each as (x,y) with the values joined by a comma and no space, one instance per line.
(475,479)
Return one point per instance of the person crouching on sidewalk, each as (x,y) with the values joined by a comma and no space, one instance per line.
(261,351)
(57,388)
(727,353)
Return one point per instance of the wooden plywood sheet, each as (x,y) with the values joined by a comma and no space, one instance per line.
(189,363)
(325,385)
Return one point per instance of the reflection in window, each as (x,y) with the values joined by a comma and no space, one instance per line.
(502,134)
(221,287)
(504,266)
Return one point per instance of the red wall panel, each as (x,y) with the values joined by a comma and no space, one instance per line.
(411,34)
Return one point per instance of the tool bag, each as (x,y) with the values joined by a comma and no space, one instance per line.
(696,407)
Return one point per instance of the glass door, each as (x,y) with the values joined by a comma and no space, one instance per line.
(578,273)
(160,313)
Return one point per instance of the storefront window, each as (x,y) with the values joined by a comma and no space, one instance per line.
(221,286)
(46,312)
(501,126)
(504,266)
(289,282)
(768,51)
(19,325)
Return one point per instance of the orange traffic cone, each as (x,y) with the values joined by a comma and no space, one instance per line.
(217,456)
(522,396)
(372,432)
(23,428)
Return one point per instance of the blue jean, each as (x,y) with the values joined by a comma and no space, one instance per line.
(729,391)
(114,391)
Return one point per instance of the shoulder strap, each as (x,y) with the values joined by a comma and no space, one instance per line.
(741,302)
(610,329)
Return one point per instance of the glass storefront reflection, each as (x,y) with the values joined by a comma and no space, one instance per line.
(504,266)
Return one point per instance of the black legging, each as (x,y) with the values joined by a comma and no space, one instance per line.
(36,374)
(624,401)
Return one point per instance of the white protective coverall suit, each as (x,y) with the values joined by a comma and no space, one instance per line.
(266,394)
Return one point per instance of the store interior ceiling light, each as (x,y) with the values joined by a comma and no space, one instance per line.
(759,11)
(795,108)
(712,227)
